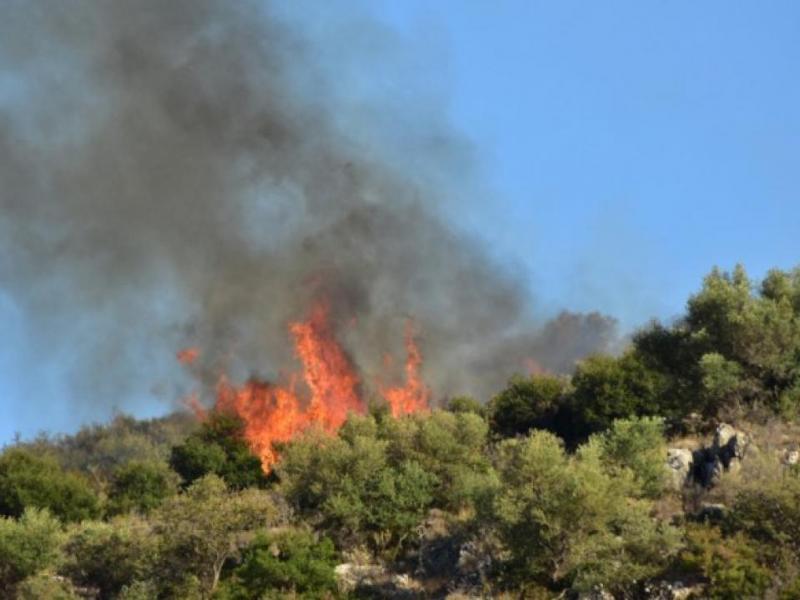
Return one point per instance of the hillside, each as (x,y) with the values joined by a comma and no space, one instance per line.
(668,471)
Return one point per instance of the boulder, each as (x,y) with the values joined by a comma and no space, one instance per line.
(729,443)
(350,576)
(679,462)
(791,455)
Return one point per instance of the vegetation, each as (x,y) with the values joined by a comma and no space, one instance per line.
(557,485)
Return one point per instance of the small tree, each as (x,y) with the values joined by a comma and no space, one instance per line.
(567,522)
(207,525)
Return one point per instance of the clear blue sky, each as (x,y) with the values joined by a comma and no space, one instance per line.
(633,144)
(629,147)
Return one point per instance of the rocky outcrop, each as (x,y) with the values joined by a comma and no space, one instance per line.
(706,465)
(730,444)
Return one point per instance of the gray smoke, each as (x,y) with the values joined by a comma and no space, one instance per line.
(173,174)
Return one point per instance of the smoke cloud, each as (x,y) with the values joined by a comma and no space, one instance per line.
(173,174)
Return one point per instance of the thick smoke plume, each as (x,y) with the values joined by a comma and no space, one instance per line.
(172,174)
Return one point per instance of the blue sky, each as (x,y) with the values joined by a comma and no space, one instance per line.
(632,144)
(628,147)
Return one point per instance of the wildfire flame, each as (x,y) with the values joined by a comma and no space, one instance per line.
(414,395)
(277,413)
(187,356)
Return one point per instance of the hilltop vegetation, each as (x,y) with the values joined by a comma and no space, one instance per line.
(555,487)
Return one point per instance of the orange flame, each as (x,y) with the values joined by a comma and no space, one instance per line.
(187,356)
(277,413)
(414,395)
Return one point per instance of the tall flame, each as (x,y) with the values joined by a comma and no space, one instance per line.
(277,413)
(414,395)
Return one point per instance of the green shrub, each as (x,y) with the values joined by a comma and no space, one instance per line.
(110,556)
(567,522)
(28,545)
(28,480)
(140,486)
(729,563)
(638,444)
(291,561)
(218,448)
(526,403)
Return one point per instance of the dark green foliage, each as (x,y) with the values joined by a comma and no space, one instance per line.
(218,447)
(140,486)
(28,480)
(608,388)
(736,349)
(526,403)
(292,561)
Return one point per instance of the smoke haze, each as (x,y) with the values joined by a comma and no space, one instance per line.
(172,174)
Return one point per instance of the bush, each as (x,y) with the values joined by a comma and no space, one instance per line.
(27,546)
(638,444)
(349,485)
(448,446)
(110,556)
(203,528)
(526,403)
(140,486)
(730,564)
(466,404)
(291,561)
(46,586)
(567,522)
(219,448)
(27,480)
(608,388)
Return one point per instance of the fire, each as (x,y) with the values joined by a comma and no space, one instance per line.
(326,370)
(414,395)
(188,356)
(277,413)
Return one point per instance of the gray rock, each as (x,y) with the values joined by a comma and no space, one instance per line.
(350,576)
(791,455)
(672,590)
(729,443)
(679,462)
